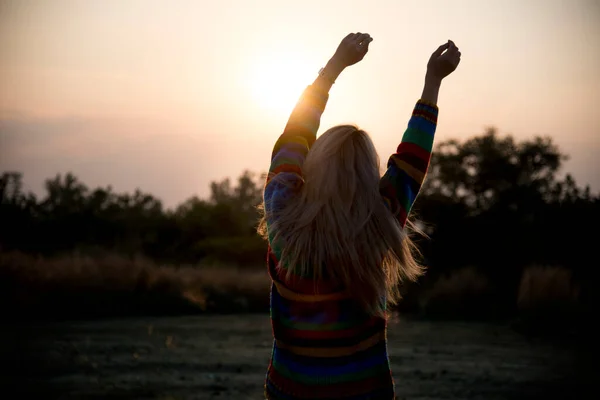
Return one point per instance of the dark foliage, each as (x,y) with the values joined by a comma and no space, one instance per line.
(490,203)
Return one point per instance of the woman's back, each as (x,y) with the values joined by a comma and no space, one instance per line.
(337,247)
(325,345)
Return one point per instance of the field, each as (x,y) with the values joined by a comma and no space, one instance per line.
(225,357)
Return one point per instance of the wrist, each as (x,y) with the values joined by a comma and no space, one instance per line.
(335,66)
(433,81)
(431,90)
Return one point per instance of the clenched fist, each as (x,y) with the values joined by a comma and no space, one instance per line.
(352,49)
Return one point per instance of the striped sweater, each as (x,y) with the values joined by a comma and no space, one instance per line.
(325,346)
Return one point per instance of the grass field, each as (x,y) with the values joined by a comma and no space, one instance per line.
(225,357)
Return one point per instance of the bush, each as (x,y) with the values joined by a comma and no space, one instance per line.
(463,293)
(547,295)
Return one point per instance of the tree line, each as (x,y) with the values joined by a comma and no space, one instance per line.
(489,202)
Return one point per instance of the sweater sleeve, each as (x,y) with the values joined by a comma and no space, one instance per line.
(290,150)
(406,169)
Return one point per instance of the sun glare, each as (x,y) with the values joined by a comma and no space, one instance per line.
(277,83)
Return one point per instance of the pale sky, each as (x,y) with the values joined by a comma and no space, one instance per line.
(170,95)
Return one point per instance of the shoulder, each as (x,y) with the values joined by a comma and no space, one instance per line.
(282,186)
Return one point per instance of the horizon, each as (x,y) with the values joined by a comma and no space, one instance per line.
(169,97)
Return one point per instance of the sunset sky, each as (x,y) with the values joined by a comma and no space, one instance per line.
(170,95)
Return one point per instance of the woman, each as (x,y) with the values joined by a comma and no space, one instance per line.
(337,242)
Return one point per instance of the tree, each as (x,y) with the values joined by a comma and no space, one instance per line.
(498,203)
(486,170)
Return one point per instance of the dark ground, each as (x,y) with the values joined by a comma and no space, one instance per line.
(225,357)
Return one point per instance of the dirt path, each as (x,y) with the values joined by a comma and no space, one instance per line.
(225,357)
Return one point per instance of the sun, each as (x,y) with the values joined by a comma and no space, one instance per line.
(277,82)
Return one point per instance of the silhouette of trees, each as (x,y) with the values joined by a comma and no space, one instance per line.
(486,171)
(490,202)
(500,205)
(71,217)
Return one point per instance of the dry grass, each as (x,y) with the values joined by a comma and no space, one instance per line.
(463,292)
(547,289)
(30,283)
(111,285)
(548,302)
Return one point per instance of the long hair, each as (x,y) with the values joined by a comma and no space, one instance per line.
(337,226)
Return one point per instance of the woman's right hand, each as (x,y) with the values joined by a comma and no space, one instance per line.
(443,62)
(352,49)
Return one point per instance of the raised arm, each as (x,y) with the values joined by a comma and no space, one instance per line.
(406,169)
(300,131)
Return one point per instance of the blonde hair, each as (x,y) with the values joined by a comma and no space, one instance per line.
(338,226)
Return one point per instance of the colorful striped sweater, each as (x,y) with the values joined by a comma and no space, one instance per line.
(324,346)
